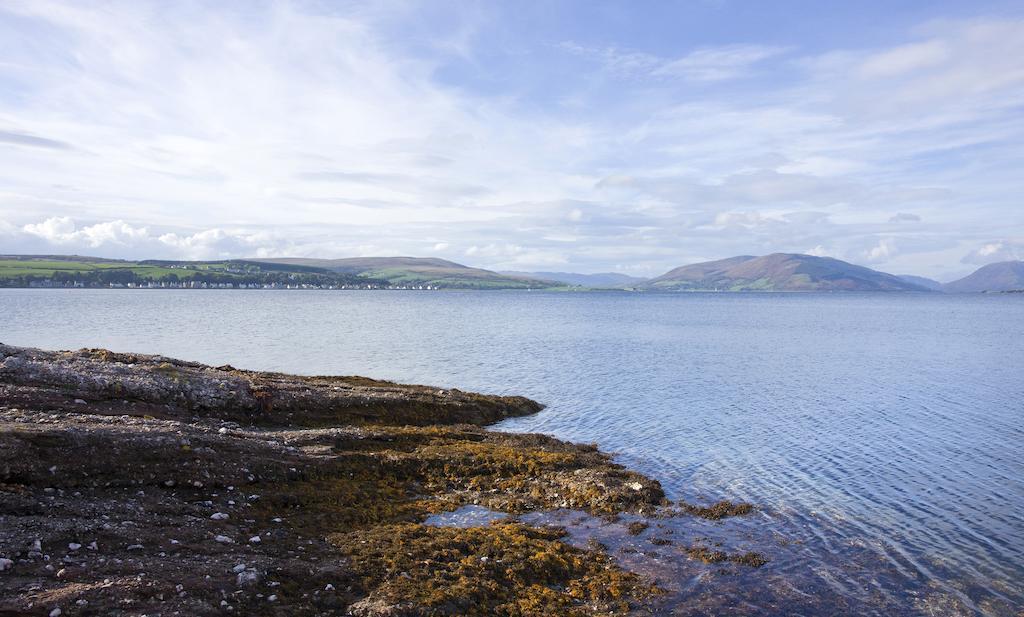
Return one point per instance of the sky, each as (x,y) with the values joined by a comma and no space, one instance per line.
(532,135)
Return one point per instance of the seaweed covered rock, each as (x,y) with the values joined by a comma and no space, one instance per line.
(137,484)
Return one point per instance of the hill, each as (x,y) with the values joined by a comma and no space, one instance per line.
(81,271)
(415,271)
(1002,276)
(922,281)
(606,280)
(778,272)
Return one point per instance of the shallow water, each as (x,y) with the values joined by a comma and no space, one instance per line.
(880,434)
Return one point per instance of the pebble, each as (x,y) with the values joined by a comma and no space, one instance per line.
(74,546)
(247,578)
(222,430)
(272,598)
(55,612)
(223,540)
(255,540)
(93,546)
(329,587)
(239,568)
(79,401)
(219,516)
(6,564)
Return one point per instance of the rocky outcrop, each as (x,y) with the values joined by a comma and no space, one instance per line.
(138,384)
(133,484)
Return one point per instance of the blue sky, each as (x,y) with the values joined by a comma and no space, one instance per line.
(585,136)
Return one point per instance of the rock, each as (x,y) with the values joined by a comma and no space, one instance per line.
(74,546)
(239,568)
(255,540)
(79,401)
(329,587)
(272,598)
(219,516)
(55,612)
(6,564)
(93,546)
(223,540)
(247,578)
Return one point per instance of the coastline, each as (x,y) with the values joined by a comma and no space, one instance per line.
(143,483)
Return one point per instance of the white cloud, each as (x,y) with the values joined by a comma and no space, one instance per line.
(63,231)
(717,63)
(992,252)
(905,59)
(704,64)
(881,252)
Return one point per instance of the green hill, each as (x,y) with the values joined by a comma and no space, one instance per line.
(82,271)
(416,271)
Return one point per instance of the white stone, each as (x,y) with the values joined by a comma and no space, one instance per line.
(74,546)
(272,598)
(223,540)
(55,612)
(219,516)
(239,568)
(255,540)
(329,587)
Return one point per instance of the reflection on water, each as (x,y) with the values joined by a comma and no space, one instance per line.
(880,435)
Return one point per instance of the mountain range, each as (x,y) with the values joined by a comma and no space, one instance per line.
(775,272)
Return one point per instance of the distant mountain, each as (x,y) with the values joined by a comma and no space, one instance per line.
(1002,276)
(778,272)
(607,280)
(921,281)
(417,271)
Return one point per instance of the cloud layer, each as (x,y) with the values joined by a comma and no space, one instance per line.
(155,130)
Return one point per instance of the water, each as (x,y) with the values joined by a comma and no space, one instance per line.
(879,434)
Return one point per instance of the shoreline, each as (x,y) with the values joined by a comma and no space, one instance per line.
(137,483)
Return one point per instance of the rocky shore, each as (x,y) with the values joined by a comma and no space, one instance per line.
(134,484)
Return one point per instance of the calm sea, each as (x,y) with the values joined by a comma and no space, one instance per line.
(880,434)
